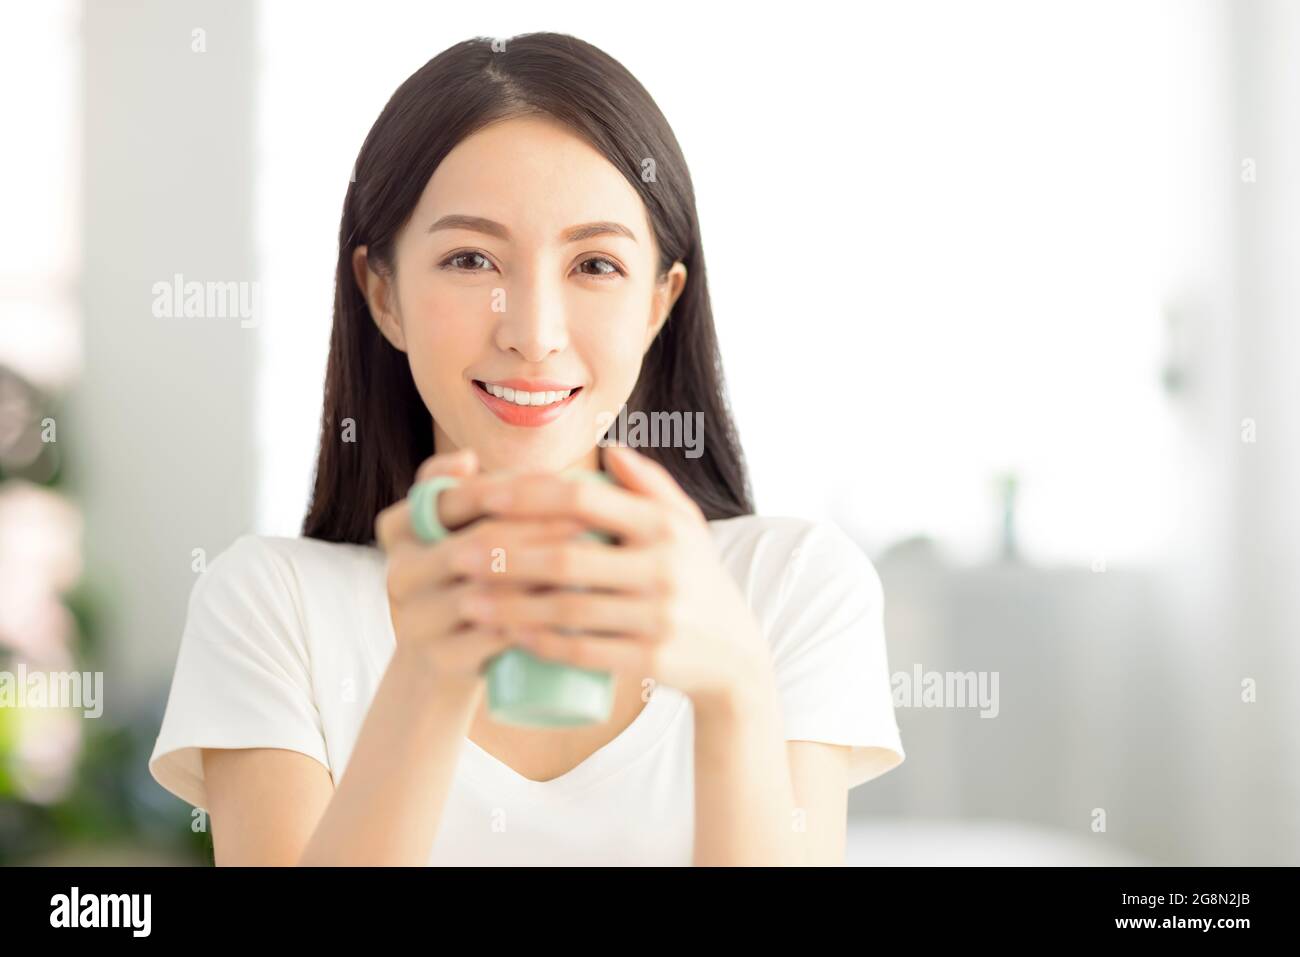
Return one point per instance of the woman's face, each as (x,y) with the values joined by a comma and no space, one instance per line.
(529,265)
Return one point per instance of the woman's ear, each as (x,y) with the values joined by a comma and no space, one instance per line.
(665,297)
(377,290)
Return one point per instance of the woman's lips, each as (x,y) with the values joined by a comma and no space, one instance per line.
(528,416)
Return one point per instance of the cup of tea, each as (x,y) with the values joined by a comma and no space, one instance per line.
(524,689)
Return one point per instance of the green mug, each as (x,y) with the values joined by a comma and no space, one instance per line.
(522,688)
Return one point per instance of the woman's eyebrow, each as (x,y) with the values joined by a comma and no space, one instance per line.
(573,234)
(576,234)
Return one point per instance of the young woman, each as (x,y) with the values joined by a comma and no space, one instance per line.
(519,259)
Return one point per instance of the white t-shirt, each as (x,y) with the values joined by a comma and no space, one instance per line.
(286,641)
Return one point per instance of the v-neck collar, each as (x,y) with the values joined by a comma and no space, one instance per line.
(629,744)
(659,713)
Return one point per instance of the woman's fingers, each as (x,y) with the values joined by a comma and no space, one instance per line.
(393,524)
(598,652)
(467,650)
(516,609)
(416,565)
(460,462)
(445,611)
(561,560)
(639,473)
(632,518)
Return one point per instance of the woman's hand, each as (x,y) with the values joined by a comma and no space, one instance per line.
(430,601)
(659,603)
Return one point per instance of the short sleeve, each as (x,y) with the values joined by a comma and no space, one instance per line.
(829,655)
(242,677)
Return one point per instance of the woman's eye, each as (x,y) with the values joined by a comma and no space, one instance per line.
(608,268)
(477,262)
(462,262)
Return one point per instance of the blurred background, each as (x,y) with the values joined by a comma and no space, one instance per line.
(1008,290)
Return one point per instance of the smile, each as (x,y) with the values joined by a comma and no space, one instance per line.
(525,403)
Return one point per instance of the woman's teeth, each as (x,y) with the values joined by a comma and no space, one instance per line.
(527,398)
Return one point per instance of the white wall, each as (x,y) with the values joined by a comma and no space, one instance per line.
(162,439)
(1260,749)
(1124,690)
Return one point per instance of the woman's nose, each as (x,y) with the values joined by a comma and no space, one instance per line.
(531,321)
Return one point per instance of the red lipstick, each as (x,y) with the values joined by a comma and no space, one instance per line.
(528,416)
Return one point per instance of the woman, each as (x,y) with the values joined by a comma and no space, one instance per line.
(519,260)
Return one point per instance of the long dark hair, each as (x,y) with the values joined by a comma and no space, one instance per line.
(367,380)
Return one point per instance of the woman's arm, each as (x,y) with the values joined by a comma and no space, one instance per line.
(760,800)
(278,807)
(745,812)
(819,772)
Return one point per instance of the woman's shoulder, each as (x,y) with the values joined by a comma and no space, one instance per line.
(253,548)
(781,538)
(819,602)
(259,564)
(781,558)
(284,595)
